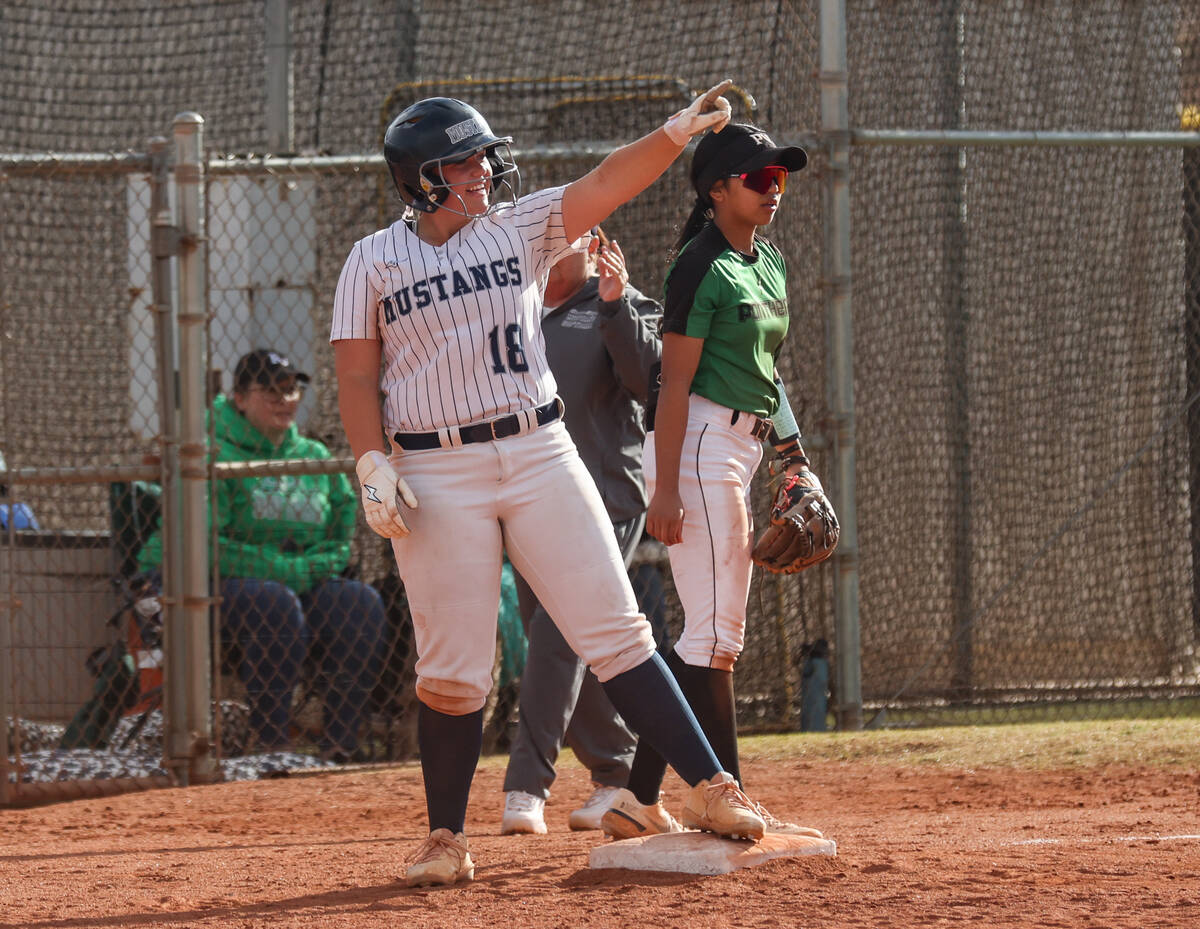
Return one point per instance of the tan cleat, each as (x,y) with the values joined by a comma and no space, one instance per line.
(627,818)
(443,858)
(774,824)
(720,806)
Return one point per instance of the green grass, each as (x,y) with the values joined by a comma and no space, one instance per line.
(1133,708)
(1168,743)
(1172,743)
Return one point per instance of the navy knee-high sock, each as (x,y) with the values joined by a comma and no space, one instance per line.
(646,773)
(709,693)
(450,747)
(649,700)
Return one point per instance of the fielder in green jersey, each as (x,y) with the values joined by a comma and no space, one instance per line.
(725,317)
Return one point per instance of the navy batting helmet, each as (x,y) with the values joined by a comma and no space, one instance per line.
(438,131)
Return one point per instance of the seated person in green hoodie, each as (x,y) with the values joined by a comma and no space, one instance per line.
(284,542)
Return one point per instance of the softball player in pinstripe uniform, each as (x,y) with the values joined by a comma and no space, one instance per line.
(441,313)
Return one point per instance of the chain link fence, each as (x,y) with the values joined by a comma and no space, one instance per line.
(1025,320)
(1022,357)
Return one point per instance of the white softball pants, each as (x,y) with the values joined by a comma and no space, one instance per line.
(532,496)
(711,567)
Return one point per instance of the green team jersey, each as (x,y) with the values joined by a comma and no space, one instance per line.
(738,305)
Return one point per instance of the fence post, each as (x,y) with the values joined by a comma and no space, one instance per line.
(164,239)
(8,594)
(279,117)
(1190,122)
(957,360)
(835,127)
(190,745)
(7,612)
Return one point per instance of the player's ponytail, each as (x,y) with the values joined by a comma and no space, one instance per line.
(692,225)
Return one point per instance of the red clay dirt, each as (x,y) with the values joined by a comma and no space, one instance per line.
(916,848)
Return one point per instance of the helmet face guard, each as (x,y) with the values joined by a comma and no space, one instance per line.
(505,185)
(440,131)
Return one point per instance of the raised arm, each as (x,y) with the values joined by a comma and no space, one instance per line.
(629,323)
(632,168)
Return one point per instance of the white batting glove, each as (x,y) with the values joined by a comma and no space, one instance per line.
(708,111)
(383,490)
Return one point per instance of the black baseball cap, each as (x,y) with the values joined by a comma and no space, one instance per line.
(738,149)
(266,367)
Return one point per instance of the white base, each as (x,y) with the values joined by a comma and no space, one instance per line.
(704,853)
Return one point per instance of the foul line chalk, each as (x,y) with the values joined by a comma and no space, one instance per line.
(1086,840)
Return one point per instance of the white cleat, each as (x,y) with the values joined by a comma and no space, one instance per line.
(589,815)
(523,813)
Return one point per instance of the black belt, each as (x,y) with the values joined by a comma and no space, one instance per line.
(500,428)
(761,429)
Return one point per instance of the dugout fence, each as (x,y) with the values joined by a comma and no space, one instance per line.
(993,354)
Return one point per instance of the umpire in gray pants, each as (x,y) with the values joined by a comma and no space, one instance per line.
(602,343)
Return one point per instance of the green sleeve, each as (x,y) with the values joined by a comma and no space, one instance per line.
(329,557)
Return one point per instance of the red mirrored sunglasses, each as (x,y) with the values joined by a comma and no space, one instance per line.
(760,181)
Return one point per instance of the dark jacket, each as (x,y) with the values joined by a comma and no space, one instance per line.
(601,355)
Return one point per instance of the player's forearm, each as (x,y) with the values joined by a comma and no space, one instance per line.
(356,365)
(632,168)
(670,426)
(785,435)
(680,359)
(619,178)
(358,404)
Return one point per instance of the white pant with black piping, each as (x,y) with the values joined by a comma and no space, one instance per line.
(711,567)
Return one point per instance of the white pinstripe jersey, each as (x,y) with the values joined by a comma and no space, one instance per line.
(460,323)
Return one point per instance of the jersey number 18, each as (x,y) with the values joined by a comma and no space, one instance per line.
(513,349)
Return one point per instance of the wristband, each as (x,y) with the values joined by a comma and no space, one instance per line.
(781,464)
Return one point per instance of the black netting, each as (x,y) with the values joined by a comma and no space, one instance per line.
(1026,318)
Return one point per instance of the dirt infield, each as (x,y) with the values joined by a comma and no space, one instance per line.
(917,846)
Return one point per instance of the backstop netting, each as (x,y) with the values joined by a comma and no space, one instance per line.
(1024,316)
